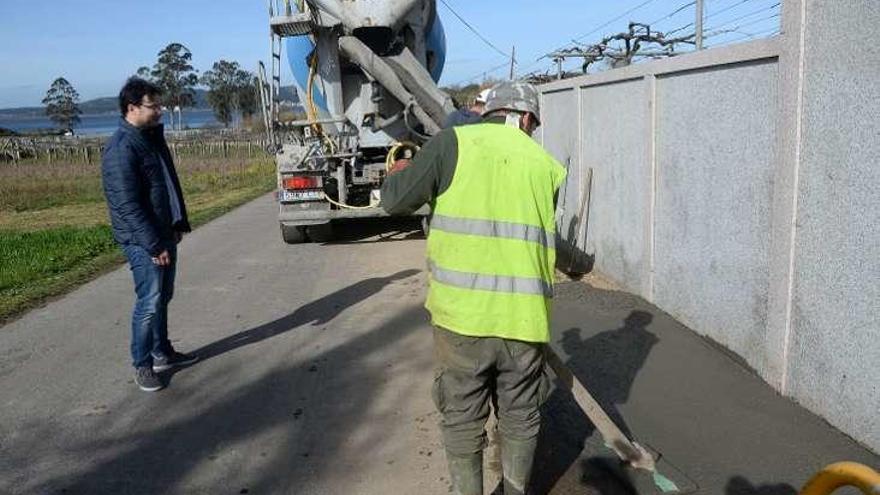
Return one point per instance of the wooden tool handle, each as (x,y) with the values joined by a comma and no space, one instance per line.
(614,438)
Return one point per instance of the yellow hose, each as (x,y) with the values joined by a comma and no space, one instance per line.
(350,207)
(389,162)
(842,474)
(389,159)
(311,111)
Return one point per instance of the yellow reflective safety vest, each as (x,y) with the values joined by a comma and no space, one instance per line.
(491,252)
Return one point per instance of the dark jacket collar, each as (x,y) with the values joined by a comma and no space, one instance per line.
(148,134)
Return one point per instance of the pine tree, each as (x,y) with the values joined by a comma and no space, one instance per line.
(174,74)
(229,89)
(221,81)
(62,104)
(248,94)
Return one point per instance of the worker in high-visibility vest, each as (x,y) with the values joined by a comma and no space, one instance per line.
(491,258)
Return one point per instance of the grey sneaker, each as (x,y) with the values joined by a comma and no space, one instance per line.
(172,360)
(147,380)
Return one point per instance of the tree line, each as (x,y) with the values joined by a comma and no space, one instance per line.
(230,88)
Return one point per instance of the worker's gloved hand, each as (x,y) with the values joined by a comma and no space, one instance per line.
(398,166)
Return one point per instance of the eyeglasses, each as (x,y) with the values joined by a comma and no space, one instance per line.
(151,106)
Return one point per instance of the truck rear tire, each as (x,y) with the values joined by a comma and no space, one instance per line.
(293,234)
(320,233)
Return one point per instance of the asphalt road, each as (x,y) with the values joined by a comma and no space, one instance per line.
(315,376)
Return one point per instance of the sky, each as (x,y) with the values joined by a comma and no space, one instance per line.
(97,44)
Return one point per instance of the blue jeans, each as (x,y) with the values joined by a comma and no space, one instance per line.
(154,287)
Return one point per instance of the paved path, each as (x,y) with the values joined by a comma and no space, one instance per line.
(713,419)
(315,375)
(316,365)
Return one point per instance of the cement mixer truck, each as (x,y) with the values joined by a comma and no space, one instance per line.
(366,72)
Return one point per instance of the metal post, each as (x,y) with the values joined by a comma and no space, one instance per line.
(512,61)
(699,25)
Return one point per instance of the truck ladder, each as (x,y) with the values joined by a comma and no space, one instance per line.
(283,23)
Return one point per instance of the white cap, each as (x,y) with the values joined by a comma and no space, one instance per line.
(483,97)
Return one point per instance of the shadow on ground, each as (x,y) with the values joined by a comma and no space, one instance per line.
(613,342)
(607,364)
(167,459)
(381,229)
(317,312)
(739,485)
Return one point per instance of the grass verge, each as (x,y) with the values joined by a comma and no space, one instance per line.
(44,264)
(45,253)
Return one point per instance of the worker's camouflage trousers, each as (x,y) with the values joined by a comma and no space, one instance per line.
(471,372)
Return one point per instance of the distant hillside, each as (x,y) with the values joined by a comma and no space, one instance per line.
(109,104)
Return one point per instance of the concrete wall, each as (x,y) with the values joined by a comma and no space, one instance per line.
(562,117)
(737,189)
(676,147)
(615,120)
(716,142)
(833,337)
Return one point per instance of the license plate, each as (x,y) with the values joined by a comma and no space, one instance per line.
(301,195)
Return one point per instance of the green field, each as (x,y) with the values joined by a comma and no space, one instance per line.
(54,232)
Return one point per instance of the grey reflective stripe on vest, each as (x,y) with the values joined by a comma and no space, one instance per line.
(494,283)
(494,228)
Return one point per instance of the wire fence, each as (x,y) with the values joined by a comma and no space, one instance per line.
(51,150)
(620,41)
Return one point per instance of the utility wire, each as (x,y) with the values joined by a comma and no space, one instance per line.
(746,16)
(612,21)
(756,21)
(671,14)
(767,33)
(735,29)
(474,30)
(713,14)
(771,31)
(716,31)
(606,24)
(681,28)
(506,63)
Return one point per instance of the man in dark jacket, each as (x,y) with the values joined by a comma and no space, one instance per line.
(148,216)
(470,115)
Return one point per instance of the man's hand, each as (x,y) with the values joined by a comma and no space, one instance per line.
(164,259)
(398,166)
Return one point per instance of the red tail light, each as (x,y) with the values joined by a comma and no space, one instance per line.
(301,182)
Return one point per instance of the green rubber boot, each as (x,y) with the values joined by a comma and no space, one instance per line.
(466,473)
(517,458)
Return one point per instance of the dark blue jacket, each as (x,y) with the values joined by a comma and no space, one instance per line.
(462,116)
(138,191)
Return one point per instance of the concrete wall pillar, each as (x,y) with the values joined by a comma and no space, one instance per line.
(784,203)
